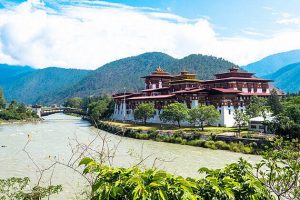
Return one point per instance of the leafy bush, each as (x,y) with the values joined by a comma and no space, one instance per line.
(143,136)
(222,145)
(198,143)
(247,150)
(18,189)
(235,181)
(210,144)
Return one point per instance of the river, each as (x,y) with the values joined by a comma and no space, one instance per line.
(52,137)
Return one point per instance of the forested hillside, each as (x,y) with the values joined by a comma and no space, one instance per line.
(272,63)
(35,86)
(126,73)
(287,78)
(54,85)
(9,72)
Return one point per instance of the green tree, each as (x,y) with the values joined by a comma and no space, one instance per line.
(279,171)
(144,111)
(98,109)
(287,123)
(13,105)
(174,112)
(241,119)
(21,108)
(2,99)
(203,114)
(75,102)
(254,109)
(274,103)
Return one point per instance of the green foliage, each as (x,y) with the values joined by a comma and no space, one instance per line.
(2,99)
(112,77)
(287,122)
(233,182)
(241,119)
(17,111)
(280,169)
(181,138)
(98,109)
(203,114)
(42,85)
(256,107)
(75,102)
(274,103)
(19,189)
(174,112)
(287,78)
(144,111)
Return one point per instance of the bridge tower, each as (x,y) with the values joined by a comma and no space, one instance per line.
(37,109)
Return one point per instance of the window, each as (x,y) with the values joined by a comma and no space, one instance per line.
(261,127)
(253,126)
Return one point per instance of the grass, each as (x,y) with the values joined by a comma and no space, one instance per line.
(147,127)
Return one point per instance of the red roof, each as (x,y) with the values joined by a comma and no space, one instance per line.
(254,94)
(156,89)
(158,75)
(152,97)
(229,90)
(237,79)
(188,90)
(126,95)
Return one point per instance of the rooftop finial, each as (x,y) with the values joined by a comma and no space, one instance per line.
(233,69)
(158,69)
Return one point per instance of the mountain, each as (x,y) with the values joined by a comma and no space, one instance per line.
(287,78)
(9,72)
(54,85)
(272,63)
(126,73)
(34,85)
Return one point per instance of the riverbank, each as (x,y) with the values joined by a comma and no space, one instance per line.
(33,120)
(205,139)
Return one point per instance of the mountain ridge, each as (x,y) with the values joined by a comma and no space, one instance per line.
(274,62)
(112,77)
(287,78)
(100,81)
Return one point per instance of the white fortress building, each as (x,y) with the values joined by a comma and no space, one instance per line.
(228,92)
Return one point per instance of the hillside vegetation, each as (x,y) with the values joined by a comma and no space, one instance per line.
(287,78)
(126,73)
(32,87)
(54,85)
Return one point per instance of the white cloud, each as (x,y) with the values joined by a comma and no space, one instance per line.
(89,34)
(289,21)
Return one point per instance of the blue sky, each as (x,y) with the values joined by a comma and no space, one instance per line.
(90,33)
(229,16)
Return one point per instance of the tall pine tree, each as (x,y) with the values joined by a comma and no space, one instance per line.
(274,103)
(2,99)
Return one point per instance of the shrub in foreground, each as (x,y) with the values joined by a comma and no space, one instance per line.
(235,181)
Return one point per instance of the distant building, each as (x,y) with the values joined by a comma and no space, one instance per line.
(37,109)
(257,124)
(228,92)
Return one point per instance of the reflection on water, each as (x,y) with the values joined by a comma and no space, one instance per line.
(52,136)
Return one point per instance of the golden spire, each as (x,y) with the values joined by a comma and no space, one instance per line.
(158,69)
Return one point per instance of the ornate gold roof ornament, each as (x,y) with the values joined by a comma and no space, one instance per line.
(159,69)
